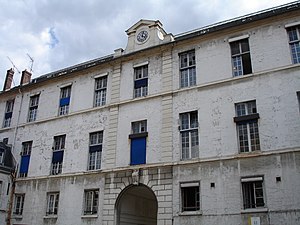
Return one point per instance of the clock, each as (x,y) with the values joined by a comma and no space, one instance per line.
(142,36)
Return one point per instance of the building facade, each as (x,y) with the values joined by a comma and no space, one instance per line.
(197,128)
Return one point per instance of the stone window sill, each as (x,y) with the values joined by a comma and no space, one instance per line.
(89,216)
(50,217)
(255,210)
(190,213)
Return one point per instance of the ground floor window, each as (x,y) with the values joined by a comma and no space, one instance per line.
(91,202)
(190,196)
(253,195)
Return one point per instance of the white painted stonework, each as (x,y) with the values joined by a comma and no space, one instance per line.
(220,167)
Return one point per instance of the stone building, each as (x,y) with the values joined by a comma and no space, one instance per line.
(197,128)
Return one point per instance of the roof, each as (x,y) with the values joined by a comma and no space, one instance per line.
(249,18)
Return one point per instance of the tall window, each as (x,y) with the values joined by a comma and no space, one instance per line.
(1,155)
(65,95)
(95,150)
(140,81)
(19,203)
(8,113)
(294,41)
(247,126)
(190,196)
(253,194)
(25,158)
(138,139)
(58,154)
(187,69)
(91,198)
(189,135)
(100,91)
(33,107)
(241,60)
(298,96)
(52,203)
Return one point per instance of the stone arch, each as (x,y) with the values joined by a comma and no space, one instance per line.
(136,205)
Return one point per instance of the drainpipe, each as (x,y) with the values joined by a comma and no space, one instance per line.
(11,196)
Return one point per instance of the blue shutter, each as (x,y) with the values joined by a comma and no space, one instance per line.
(141,83)
(57,156)
(64,101)
(138,151)
(95,148)
(24,163)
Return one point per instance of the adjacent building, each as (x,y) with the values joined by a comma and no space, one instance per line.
(197,128)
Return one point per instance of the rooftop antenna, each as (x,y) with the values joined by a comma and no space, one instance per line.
(14,66)
(31,60)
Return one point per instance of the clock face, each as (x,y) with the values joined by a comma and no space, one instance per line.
(142,36)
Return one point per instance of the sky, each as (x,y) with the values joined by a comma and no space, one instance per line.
(60,33)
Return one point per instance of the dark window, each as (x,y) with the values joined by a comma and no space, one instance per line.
(95,150)
(33,107)
(241,60)
(247,126)
(190,197)
(100,91)
(298,96)
(91,198)
(294,41)
(189,135)
(25,158)
(8,113)
(58,154)
(141,81)
(64,102)
(187,69)
(253,196)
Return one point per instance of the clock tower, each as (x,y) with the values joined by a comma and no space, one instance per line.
(145,34)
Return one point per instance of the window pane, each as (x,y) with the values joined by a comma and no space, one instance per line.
(190,198)
(247,68)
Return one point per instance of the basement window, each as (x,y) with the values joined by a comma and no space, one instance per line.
(190,196)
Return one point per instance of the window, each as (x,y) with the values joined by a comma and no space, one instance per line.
(241,61)
(138,138)
(294,41)
(100,91)
(247,126)
(187,69)
(95,150)
(1,155)
(91,198)
(140,81)
(58,154)
(52,203)
(65,94)
(253,196)
(189,135)
(190,196)
(33,106)
(298,96)
(25,158)
(8,113)
(19,203)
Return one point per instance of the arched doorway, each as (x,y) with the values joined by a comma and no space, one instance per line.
(136,205)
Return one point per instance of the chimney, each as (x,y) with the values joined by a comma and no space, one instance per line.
(26,77)
(8,79)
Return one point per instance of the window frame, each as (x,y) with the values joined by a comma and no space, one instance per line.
(92,204)
(249,192)
(100,91)
(141,73)
(247,126)
(65,93)
(186,188)
(59,143)
(242,58)
(188,135)
(33,107)
(19,204)
(8,113)
(187,73)
(25,152)
(52,205)
(296,43)
(95,157)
